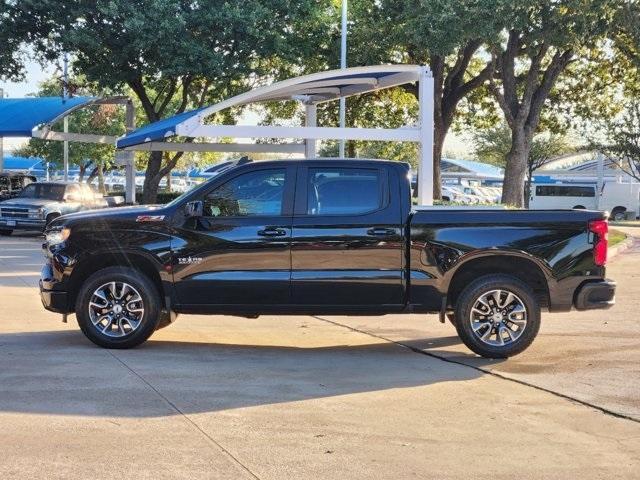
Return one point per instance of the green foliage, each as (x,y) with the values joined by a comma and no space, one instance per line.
(166,197)
(492,146)
(172,55)
(11,65)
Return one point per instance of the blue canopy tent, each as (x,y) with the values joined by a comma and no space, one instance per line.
(19,116)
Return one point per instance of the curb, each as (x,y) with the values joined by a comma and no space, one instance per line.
(621,247)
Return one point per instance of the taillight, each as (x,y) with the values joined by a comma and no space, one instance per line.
(600,228)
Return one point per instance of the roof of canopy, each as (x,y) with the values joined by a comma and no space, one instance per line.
(309,89)
(19,116)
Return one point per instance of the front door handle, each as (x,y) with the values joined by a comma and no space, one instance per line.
(381,232)
(272,232)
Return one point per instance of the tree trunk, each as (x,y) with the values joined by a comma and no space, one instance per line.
(439,134)
(152,178)
(527,190)
(516,170)
(351,149)
(101,178)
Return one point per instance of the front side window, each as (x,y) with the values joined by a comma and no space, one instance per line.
(343,191)
(258,193)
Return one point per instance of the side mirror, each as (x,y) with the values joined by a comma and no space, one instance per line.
(194,209)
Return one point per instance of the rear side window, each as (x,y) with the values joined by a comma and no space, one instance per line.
(564,191)
(343,191)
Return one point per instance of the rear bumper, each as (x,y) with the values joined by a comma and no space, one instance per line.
(53,300)
(596,295)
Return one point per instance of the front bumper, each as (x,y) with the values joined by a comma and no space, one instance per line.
(596,295)
(53,300)
(22,223)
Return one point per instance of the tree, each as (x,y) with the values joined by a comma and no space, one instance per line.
(173,55)
(11,54)
(621,141)
(543,38)
(447,36)
(492,145)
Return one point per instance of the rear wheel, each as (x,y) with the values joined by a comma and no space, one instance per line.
(5,233)
(497,316)
(117,307)
(618,214)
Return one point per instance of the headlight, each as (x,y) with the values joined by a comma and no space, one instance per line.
(55,237)
(36,213)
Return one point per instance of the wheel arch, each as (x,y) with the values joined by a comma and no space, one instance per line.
(520,266)
(139,261)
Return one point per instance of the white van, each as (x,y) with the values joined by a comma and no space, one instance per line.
(620,199)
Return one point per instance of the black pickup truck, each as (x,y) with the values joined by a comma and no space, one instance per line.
(323,237)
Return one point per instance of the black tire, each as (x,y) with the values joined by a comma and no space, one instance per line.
(473,292)
(579,207)
(50,218)
(5,233)
(150,300)
(618,214)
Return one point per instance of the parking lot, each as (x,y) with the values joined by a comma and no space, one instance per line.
(316,397)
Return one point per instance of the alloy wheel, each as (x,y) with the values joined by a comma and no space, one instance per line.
(116,309)
(498,317)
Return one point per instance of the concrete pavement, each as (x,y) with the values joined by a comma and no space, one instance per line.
(304,397)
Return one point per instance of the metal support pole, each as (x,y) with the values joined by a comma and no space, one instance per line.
(425,156)
(310,120)
(343,64)
(1,140)
(65,150)
(130,165)
(600,184)
(65,145)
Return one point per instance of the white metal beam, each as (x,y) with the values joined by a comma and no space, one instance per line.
(425,156)
(73,137)
(218,147)
(130,163)
(310,120)
(406,134)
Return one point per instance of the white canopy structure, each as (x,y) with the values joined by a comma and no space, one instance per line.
(310,90)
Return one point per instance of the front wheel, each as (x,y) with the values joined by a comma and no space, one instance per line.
(117,307)
(497,316)
(5,233)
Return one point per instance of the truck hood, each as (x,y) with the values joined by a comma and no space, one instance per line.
(113,216)
(27,202)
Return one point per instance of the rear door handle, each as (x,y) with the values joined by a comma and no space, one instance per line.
(381,232)
(272,232)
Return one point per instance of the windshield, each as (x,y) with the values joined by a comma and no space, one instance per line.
(47,191)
